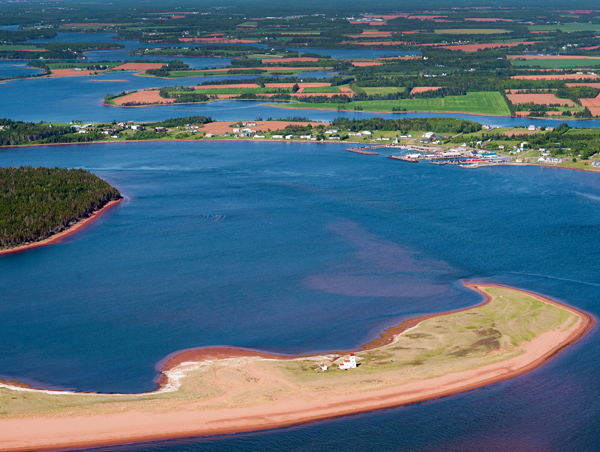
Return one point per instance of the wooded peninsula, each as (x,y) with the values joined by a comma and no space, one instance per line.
(37,203)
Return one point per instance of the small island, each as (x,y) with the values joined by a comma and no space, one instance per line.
(217,390)
(40,206)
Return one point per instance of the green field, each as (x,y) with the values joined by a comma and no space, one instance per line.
(558,64)
(566,27)
(322,89)
(483,103)
(471,31)
(383,90)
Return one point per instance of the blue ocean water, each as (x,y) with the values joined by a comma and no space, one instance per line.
(294,247)
(16,68)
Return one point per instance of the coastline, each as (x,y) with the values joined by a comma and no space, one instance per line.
(56,238)
(127,425)
(251,140)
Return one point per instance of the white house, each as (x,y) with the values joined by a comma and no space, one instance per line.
(349,363)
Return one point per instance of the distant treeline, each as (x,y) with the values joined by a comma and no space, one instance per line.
(19,132)
(36,203)
(437,125)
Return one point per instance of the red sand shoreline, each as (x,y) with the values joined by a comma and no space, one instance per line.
(244,419)
(56,238)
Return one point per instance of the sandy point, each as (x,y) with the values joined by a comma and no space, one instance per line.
(236,372)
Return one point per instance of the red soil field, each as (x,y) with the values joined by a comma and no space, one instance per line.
(71,73)
(487,19)
(424,89)
(301,85)
(138,66)
(300,34)
(543,31)
(591,85)
(491,45)
(553,57)
(143,97)
(556,77)
(287,60)
(343,93)
(219,128)
(590,48)
(246,26)
(241,85)
(526,91)
(367,63)
(540,99)
(425,17)
(594,102)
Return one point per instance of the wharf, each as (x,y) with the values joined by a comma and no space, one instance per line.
(404,159)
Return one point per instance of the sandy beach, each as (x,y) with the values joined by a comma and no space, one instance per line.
(244,390)
(56,238)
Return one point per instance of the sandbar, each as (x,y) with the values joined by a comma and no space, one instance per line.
(56,238)
(219,390)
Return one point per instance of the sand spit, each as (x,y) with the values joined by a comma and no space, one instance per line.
(249,372)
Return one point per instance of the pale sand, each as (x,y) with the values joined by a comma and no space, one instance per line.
(163,419)
(61,235)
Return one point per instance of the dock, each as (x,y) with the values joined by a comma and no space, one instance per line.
(360,151)
(404,159)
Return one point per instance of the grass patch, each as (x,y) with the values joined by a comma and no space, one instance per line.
(383,90)
(322,89)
